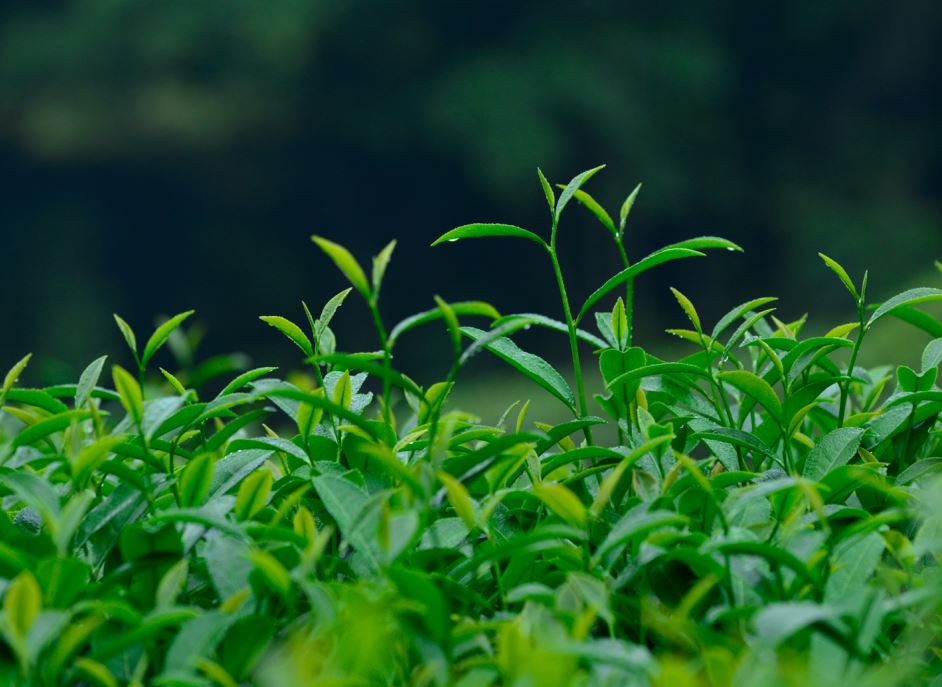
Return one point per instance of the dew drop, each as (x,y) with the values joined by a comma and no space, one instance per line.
(452,240)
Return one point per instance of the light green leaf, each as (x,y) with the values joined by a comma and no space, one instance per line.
(756,388)
(841,274)
(10,379)
(291,330)
(253,494)
(22,602)
(626,208)
(127,333)
(687,306)
(779,621)
(130,392)
(346,263)
(563,502)
(380,263)
(160,335)
(573,186)
(195,480)
(547,190)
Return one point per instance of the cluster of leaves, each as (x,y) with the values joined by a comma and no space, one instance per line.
(762,512)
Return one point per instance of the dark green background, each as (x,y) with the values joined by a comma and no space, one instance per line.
(158,156)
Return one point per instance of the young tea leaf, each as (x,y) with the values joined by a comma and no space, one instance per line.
(346,263)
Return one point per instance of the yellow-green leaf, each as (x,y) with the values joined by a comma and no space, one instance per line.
(161,334)
(195,480)
(22,602)
(563,502)
(460,499)
(346,263)
(291,330)
(253,494)
(130,392)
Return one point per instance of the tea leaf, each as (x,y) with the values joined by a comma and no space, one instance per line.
(195,480)
(570,190)
(626,208)
(128,334)
(479,230)
(130,392)
(911,297)
(532,366)
(161,334)
(380,263)
(841,274)
(291,330)
(346,263)
(547,191)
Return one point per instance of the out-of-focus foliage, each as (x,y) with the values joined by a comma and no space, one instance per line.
(761,512)
(153,133)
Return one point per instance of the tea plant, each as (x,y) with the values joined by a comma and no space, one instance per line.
(766,513)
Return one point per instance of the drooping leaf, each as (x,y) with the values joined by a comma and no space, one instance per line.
(480,230)
(532,366)
(291,330)
(906,298)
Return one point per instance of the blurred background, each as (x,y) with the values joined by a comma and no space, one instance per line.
(161,156)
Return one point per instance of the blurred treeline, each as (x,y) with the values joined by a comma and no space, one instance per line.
(157,156)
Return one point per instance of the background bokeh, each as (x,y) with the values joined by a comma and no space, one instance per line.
(159,156)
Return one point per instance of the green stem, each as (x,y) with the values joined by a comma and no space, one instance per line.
(573,340)
(845,387)
(387,357)
(629,290)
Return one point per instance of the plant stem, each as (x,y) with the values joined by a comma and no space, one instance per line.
(845,387)
(573,340)
(387,357)
(629,290)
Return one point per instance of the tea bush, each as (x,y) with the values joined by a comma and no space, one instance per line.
(764,511)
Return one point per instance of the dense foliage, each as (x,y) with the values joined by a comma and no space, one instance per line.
(760,512)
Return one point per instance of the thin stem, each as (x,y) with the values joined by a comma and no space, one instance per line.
(387,357)
(573,341)
(845,387)
(629,289)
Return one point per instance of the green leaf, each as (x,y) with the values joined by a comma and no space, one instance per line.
(345,502)
(343,391)
(346,263)
(532,366)
(243,379)
(652,260)
(563,502)
(853,563)
(626,208)
(253,494)
(328,311)
(460,499)
(195,480)
(736,313)
(547,190)
(550,323)
(778,621)
(463,308)
(600,214)
(128,334)
(380,263)
(22,602)
(911,297)
(291,330)
(10,379)
(172,584)
(841,274)
(479,230)
(687,306)
(50,425)
(705,242)
(273,572)
(833,450)
(130,392)
(756,388)
(919,319)
(451,321)
(573,186)
(620,323)
(161,334)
